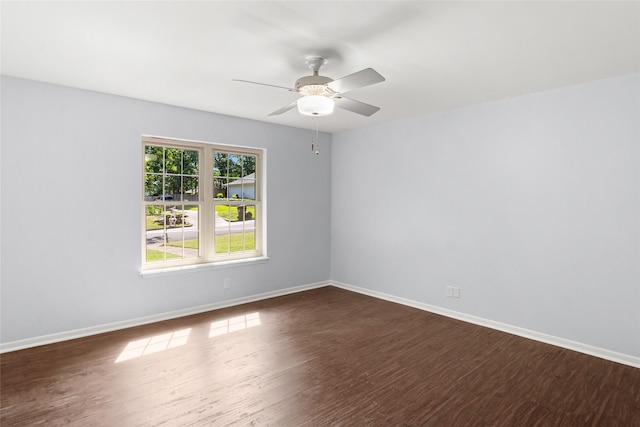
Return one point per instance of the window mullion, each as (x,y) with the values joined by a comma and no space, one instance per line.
(207,233)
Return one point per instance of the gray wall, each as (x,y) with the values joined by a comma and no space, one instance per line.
(530,205)
(71,188)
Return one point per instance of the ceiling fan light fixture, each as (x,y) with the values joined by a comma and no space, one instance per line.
(311,89)
(315,105)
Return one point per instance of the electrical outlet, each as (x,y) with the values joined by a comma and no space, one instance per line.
(453,292)
(227,283)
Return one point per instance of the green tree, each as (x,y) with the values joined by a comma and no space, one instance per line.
(170,171)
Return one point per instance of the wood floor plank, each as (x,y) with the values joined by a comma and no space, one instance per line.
(326,357)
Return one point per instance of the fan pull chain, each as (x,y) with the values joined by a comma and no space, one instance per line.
(314,146)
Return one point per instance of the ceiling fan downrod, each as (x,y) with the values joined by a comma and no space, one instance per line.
(314,63)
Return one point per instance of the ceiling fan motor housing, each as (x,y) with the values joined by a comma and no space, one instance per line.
(311,81)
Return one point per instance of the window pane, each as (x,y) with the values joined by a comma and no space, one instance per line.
(171,174)
(222,243)
(234,176)
(172,187)
(226,213)
(173,160)
(232,233)
(248,189)
(249,240)
(248,165)
(190,188)
(190,163)
(182,237)
(235,166)
(245,236)
(220,188)
(234,190)
(222,224)
(249,213)
(152,186)
(172,233)
(153,158)
(243,188)
(154,216)
(220,164)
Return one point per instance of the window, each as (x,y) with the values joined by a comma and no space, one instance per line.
(202,203)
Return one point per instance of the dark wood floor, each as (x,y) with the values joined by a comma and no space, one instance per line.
(326,357)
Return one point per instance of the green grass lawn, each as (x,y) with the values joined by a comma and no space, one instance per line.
(152,222)
(222,243)
(154,255)
(230,212)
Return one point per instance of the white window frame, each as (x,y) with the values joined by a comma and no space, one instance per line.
(207,257)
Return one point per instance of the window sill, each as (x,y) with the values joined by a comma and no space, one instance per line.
(158,272)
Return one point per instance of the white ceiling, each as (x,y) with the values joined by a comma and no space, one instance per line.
(435,55)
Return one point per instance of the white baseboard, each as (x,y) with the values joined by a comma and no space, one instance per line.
(537,336)
(109,327)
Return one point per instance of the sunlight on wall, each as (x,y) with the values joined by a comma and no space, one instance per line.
(233,324)
(154,344)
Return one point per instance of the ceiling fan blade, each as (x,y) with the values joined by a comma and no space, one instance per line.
(362,78)
(284,109)
(356,106)
(263,84)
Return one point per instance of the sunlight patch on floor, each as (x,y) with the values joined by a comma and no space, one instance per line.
(234,324)
(154,344)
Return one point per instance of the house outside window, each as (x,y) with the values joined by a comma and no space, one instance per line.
(202,203)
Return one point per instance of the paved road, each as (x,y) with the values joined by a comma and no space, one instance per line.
(222,227)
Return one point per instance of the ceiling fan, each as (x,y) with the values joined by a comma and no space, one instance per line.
(319,94)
